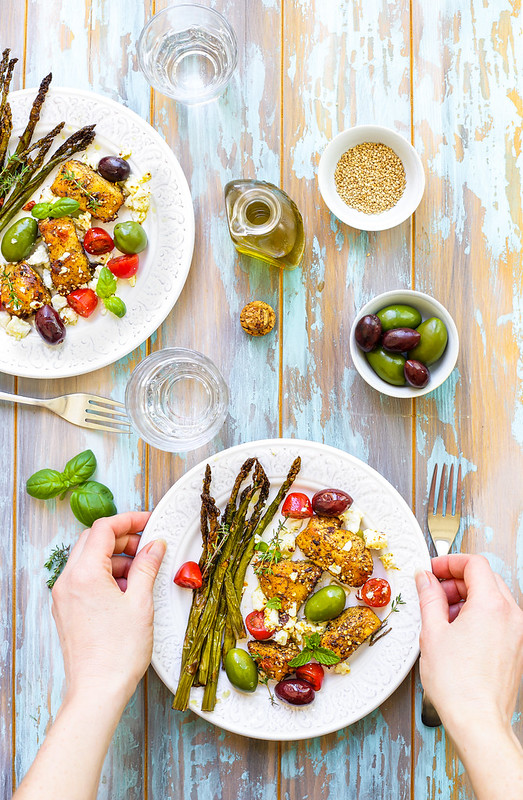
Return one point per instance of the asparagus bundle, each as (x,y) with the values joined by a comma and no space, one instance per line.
(22,173)
(215,620)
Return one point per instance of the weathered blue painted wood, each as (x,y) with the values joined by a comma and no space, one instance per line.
(468,108)
(236,136)
(348,64)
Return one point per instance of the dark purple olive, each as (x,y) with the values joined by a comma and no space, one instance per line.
(368,332)
(400,340)
(331,502)
(416,373)
(49,325)
(295,691)
(114,169)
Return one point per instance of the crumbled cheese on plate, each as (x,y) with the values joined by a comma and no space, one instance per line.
(387,559)
(17,328)
(375,540)
(351,519)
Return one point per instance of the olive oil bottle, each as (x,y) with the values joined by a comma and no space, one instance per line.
(265,223)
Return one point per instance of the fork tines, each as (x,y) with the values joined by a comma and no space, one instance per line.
(446,492)
(115,419)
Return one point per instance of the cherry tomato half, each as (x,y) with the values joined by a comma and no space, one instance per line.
(124,266)
(189,576)
(97,242)
(312,673)
(255,622)
(297,506)
(83,301)
(376,592)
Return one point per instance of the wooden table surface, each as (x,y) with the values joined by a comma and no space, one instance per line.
(445,75)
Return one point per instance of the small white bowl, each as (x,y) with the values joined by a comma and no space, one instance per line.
(428,307)
(414,174)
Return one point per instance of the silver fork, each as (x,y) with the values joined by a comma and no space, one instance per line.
(443,528)
(85,410)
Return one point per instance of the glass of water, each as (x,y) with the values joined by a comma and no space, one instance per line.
(177,399)
(188,52)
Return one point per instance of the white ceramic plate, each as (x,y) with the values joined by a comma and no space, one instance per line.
(375,672)
(102,339)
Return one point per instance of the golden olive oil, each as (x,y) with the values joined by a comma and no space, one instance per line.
(265,223)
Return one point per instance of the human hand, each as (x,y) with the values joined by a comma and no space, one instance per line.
(471,641)
(103,606)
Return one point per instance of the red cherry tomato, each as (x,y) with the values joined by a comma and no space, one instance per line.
(83,301)
(97,242)
(255,622)
(312,673)
(297,506)
(189,575)
(124,266)
(376,592)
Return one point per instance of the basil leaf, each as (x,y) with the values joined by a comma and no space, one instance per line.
(273,602)
(45,484)
(41,210)
(302,658)
(325,656)
(115,305)
(106,284)
(65,207)
(80,468)
(91,501)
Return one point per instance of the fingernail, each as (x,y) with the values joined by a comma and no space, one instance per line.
(422,579)
(157,548)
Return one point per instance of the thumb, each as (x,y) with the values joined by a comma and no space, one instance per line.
(145,566)
(432,599)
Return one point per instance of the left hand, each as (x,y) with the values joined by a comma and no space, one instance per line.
(103,606)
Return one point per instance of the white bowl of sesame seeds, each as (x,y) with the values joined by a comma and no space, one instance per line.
(371,178)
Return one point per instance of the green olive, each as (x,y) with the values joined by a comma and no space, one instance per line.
(398,316)
(433,341)
(388,366)
(241,669)
(325,604)
(130,237)
(19,239)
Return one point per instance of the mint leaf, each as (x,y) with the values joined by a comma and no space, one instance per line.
(302,658)
(325,656)
(313,641)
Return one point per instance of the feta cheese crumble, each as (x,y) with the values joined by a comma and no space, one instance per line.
(351,519)
(387,559)
(17,328)
(138,196)
(259,601)
(375,540)
(342,668)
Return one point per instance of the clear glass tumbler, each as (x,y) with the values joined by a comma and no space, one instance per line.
(188,52)
(177,399)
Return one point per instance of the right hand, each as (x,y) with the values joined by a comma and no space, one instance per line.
(471,641)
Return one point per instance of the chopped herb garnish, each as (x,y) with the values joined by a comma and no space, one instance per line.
(269,554)
(13,298)
(92,201)
(56,562)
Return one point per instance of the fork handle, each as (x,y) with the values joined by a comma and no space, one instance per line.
(28,401)
(429,715)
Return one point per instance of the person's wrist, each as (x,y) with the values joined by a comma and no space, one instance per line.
(111,693)
(463,723)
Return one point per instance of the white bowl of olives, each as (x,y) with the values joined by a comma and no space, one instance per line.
(404,343)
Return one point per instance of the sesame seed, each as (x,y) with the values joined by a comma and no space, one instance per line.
(370,177)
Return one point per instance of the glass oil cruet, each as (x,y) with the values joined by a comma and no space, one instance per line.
(264,222)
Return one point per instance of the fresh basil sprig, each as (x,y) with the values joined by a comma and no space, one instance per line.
(91,501)
(64,207)
(312,649)
(105,289)
(273,602)
(46,484)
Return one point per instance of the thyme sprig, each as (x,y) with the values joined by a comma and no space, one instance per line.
(56,562)
(380,633)
(269,554)
(222,534)
(92,202)
(263,678)
(13,297)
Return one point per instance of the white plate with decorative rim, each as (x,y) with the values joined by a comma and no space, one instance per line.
(375,673)
(103,339)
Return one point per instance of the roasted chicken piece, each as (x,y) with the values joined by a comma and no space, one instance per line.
(344,634)
(291,581)
(99,197)
(340,552)
(273,658)
(70,268)
(22,290)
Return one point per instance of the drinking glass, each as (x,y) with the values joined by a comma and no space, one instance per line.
(177,399)
(188,52)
